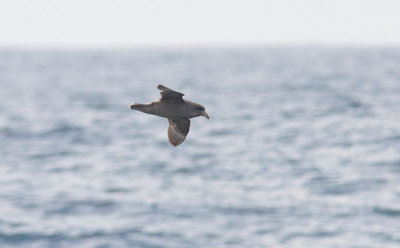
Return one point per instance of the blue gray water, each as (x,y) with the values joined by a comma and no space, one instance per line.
(302,149)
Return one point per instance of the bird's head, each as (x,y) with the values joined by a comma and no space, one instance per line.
(199,110)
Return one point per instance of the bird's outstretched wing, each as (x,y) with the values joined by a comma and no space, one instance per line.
(169,95)
(177,130)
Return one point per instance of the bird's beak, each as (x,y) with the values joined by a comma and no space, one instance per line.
(205,114)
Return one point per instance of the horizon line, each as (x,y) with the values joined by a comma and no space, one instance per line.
(199,46)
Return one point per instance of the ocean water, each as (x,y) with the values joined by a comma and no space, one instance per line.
(302,149)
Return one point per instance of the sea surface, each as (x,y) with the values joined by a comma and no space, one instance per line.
(302,149)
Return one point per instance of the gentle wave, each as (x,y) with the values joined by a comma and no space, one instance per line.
(301,149)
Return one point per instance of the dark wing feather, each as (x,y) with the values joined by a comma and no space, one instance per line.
(177,130)
(169,95)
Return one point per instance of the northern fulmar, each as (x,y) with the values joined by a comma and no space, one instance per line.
(171,105)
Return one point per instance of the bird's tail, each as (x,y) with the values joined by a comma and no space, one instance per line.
(145,108)
(136,106)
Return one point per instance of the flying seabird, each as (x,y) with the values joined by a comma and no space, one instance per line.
(171,105)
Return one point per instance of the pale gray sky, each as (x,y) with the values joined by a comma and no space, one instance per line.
(130,23)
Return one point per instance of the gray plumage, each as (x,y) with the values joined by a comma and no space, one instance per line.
(171,105)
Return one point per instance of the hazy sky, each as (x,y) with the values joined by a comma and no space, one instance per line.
(130,23)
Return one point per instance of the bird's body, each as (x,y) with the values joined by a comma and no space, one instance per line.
(166,109)
(176,109)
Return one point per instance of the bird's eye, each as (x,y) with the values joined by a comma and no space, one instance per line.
(200,109)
